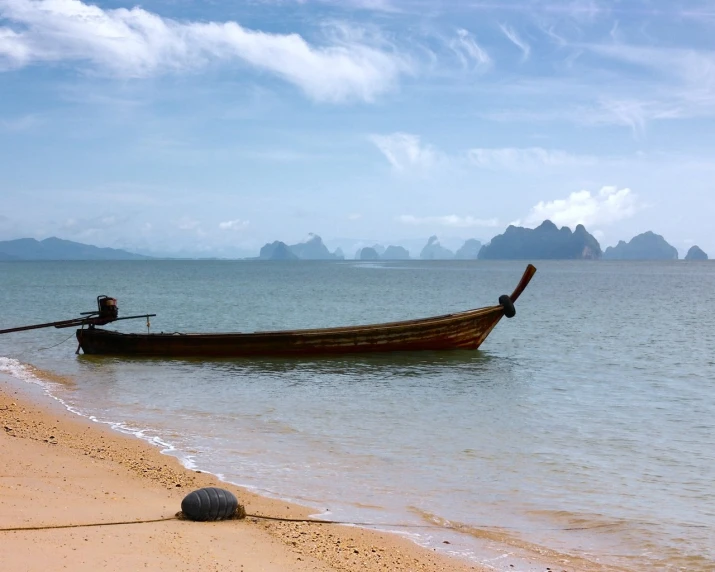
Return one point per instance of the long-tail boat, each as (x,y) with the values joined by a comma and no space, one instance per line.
(461,330)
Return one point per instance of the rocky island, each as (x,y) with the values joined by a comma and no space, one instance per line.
(545,242)
(276,250)
(396,253)
(696,253)
(313,249)
(433,250)
(368,253)
(646,246)
(469,250)
(373,252)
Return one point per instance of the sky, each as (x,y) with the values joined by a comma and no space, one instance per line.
(211,128)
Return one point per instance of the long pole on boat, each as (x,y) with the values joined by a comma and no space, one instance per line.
(72,322)
(60,324)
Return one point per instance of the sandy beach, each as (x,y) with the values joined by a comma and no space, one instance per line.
(59,469)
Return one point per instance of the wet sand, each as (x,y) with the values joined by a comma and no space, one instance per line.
(59,469)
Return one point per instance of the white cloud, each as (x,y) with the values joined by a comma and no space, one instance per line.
(525,158)
(468,51)
(448,220)
(187,223)
(130,43)
(617,83)
(515,39)
(696,66)
(354,216)
(17,124)
(607,206)
(405,151)
(377,5)
(683,84)
(237,224)
(101,222)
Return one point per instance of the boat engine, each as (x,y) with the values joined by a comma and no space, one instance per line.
(107,310)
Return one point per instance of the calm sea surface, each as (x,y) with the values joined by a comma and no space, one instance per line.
(583,430)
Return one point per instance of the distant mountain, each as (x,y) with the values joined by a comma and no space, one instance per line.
(545,242)
(469,250)
(433,250)
(4,257)
(646,246)
(276,251)
(314,249)
(54,248)
(696,253)
(368,253)
(395,253)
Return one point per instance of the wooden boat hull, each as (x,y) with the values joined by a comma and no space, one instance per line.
(462,330)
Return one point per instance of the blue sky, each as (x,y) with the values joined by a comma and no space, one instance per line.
(214,127)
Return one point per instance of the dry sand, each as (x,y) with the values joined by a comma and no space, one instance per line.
(59,469)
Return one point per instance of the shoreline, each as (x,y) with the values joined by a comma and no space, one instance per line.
(62,469)
(30,412)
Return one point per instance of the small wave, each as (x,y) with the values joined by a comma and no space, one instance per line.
(581,521)
(31,374)
(49,381)
(510,538)
(18,370)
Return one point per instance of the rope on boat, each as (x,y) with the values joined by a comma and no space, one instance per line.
(48,347)
(62,342)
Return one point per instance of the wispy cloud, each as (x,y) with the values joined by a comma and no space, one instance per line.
(405,151)
(681,83)
(633,113)
(601,77)
(607,206)
(580,9)
(188,223)
(376,5)
(515,39)
(79,228)
(99,222)
(237,224)
(453,221)
(130,43)
(469,52)
(690,65)
(17,124)
(513,158)
(628,112)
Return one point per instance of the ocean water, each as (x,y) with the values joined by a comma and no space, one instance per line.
(582,433)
